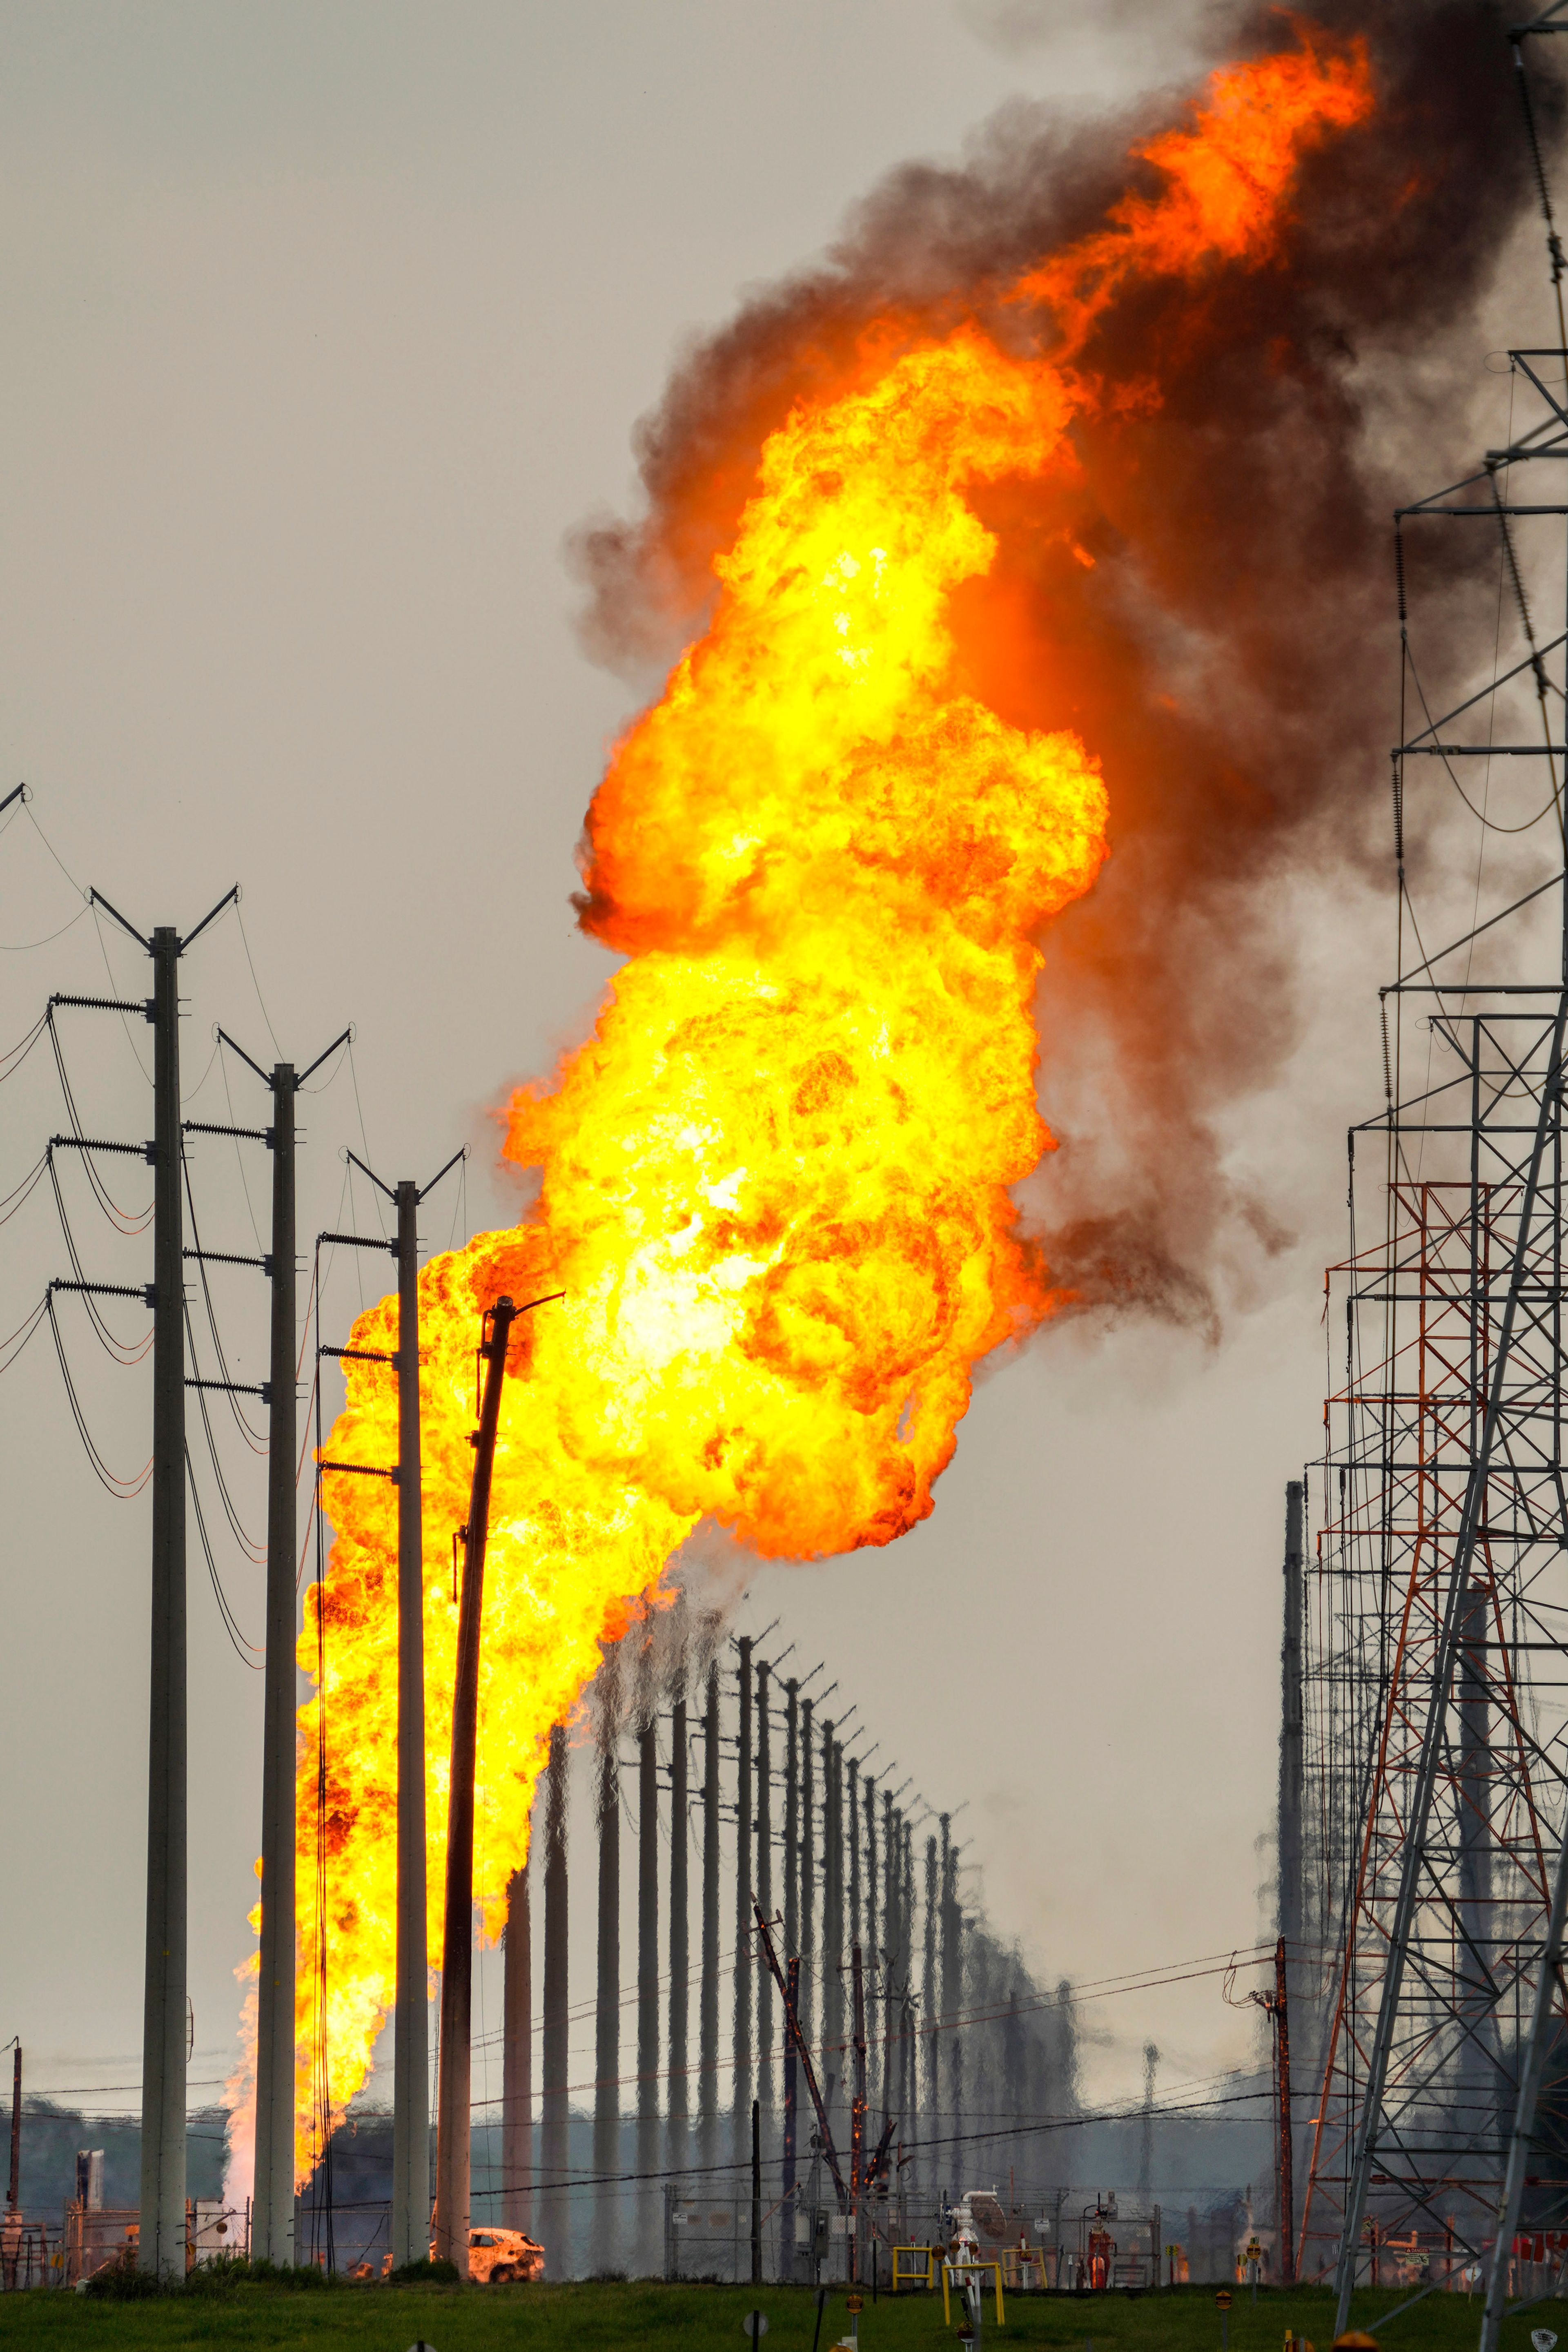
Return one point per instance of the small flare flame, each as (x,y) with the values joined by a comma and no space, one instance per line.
(775,1181)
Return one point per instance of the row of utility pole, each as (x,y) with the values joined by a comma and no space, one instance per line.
(162,2235)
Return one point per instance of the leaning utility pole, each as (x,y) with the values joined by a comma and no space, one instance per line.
(456,2054)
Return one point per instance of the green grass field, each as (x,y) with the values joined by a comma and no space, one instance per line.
(591,2318)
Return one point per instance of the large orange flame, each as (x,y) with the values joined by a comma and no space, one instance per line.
(775,1181)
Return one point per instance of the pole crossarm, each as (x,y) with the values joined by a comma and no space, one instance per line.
(141,1005)
(146,1291)
(89,1143)
(246,1134)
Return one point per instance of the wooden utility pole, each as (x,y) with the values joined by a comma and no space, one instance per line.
(453,2087)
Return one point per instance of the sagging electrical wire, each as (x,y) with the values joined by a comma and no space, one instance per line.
(125,1490)
(245,1652)
(255,1438)
(125,1219)
(14,1056)
(24,1191)
(254,1551)
(13,1347)
(123,1351)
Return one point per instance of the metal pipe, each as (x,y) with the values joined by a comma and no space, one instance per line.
(410,2226)
(743,1835)
(764,1886)
(707,2083)
(517,2058)
(271,2195)
(454,2109)
(555,2142)
(606,2006)
(647,1988)
(677,2098)
(161,2239)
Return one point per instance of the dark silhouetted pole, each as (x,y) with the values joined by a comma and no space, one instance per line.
(808,1944)
(1287,2121)
(764,1886)
(678,2101)
(743,1882)
(857,2122)
(647,1987)
(786,2206)
(756,2193)
(411,2039)
(453,2088)
(707,2023)
(606,2006)
(14,2194)
(517,2058)
(792,1817)
(555,2142)
(161,2241)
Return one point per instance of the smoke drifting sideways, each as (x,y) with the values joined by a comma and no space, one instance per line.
(1214,614)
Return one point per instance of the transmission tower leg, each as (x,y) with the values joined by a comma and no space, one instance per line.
(272,2204)
(1531,2068)
(410,2080)
(161,2249)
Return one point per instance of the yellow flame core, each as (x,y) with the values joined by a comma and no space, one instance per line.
(775,1181)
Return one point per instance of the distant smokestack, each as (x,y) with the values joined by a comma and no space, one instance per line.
(517,2059)
(555,2149)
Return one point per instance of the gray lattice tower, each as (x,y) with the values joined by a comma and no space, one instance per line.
(1435,1706)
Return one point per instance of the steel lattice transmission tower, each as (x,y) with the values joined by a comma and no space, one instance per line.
(1437,1695)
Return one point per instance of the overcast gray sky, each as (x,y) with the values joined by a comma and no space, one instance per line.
(326,325)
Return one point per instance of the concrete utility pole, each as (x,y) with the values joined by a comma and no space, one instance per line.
(517,2059)
(647,1989)
(411,2045)
(764,1885)
(165,2015)
(606,2006)
(808,1944)
(555,2121)
(707,2023)
(162,2247)
(743,1930)
(679,2099)
(272,2202)
(14,2194)
(455,2055)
